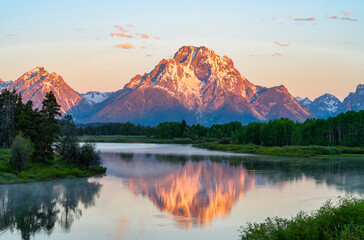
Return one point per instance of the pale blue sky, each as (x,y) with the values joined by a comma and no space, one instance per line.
(72,38)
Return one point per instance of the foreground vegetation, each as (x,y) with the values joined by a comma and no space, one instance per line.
(307,151)
(37,145)
(342,221)
(39,172)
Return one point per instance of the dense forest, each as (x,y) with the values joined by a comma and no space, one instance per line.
(40,136)
(346,129)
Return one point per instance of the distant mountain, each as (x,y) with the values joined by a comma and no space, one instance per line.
(355,100)
(33,85)
(199,86)
(304,101)
(277,102)
(95,97)
(328,105)
(325,106)
(4,85)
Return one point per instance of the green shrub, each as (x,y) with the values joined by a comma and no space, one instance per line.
(89,156)
(21,151)
(342,221)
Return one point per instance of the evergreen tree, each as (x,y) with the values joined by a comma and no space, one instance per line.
(8,101)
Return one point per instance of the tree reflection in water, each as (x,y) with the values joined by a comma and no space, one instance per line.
(37,207)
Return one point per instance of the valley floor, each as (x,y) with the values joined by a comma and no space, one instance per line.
(212,144)
(303,151)
(39,172)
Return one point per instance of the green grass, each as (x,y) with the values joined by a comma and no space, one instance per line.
(305,151)
(141,139)
(38,172)
(342,221)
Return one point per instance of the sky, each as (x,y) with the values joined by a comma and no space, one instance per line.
(312,47)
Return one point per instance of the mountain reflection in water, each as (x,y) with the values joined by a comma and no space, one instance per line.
(194,192)
(39,207)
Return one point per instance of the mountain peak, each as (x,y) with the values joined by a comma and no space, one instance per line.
(34,84)
(360,89)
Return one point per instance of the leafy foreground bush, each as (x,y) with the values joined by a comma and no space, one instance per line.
(21,151)
(342,221)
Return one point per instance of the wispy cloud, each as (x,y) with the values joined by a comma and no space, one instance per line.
(276,55)
(143,47)
(281,44)
(349,19)
(124,46)
(343,18)
(143,35)
(120,35)
(130,25)
(121,28)
(148,55)
(346,13)
(11,35)
(158,38)
(78,30)
(305,19)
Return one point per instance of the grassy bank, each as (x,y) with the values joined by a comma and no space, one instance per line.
(141,139)
(342,221)
(306,151)
(38,172)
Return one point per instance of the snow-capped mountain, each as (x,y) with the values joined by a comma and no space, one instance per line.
(95,97)
(196,85)
(33,85)
(4,85)
(304,101)
(328,105)
(325,106)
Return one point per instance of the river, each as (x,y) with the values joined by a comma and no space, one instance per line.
(155,191)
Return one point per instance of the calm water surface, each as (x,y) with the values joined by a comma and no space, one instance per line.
(154,191)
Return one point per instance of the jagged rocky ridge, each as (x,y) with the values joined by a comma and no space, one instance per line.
(328,105)
(199,86)
(196,85)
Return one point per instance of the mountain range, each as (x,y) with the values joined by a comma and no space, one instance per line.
(328,105)
(196,85)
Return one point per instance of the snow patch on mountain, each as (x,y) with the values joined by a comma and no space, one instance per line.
(94,97)
(5,84)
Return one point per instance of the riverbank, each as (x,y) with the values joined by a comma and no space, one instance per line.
(342,221)
(300,151)
(212,144)
(140,139)
(37,172)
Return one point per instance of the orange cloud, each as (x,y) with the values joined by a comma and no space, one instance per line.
(143,35)
(143,47)
(124,46)
(346,13)
(334,17)
(158,38)
(148,55)
(276,55)
(121,28)
(130,25)
(281,44)
(305,19)
(120,35)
